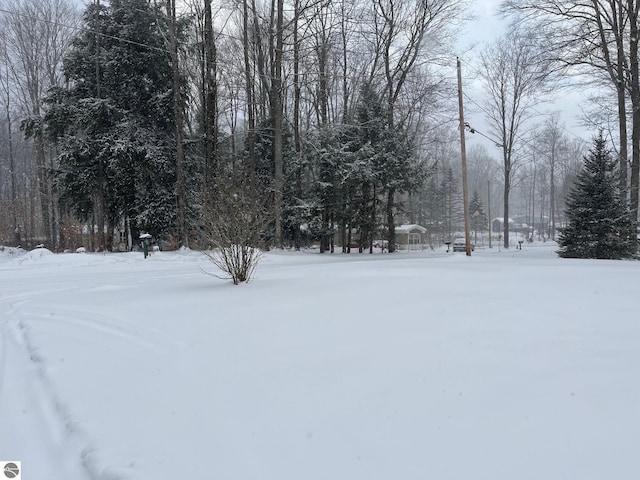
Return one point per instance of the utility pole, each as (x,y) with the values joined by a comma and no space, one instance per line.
(463,154)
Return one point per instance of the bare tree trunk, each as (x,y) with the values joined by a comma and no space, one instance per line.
(277,115)
(507,189)
(43,187)
(633,6)
(296,112)
(13,205)
(177,110)
(616,71)
(264,89)
(373,218)
(390,220)
(345,53)
(322,51)
(210,100)
(249,87)
(324,237)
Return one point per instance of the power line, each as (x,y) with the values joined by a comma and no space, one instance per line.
(479,73)
(470,129)
(82,29)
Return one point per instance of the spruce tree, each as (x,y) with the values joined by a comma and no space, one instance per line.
(114,122)
(598,217)
(358,164)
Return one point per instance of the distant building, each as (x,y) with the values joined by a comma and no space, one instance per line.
(497,224)
(410,236)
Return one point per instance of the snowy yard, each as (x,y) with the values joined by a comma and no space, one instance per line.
(508,365)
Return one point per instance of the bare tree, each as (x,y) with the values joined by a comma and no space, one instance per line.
(234,225)
(179,120)
(553,145)
(407,34)
(513,74)
(598,38)
(277,113)
(36,36)
(210,96)
(7,104)
(249,84)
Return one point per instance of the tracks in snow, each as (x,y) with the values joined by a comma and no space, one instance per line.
(37,428)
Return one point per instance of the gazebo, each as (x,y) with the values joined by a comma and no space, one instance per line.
(410,236)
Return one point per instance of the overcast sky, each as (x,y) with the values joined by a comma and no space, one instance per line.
(486,27)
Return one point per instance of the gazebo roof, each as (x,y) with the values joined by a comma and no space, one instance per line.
(410,228)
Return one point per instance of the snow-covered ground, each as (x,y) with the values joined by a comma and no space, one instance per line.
(508,365)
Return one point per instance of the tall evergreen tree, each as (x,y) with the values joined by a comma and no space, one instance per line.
(358,164)
(598,216)
(114,123)
(387,159)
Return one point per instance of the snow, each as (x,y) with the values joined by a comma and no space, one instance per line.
(509,364)
(410,228)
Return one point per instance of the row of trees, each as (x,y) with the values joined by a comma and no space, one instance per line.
(139,117)
(34,37)
(594,43)
(155,111)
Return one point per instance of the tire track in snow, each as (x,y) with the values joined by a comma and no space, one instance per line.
(26,322)
(33,416)
(138,335)
(34,421)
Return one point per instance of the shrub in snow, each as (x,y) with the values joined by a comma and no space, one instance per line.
(239,261)
(234,222)
(599,223)
(81,250)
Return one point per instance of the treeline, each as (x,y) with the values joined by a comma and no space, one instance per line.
(136,116)
(147,112)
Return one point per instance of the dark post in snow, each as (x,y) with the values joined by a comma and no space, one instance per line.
(463,154)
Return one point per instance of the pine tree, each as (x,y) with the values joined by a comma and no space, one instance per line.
(357,164)
(114,122)
(598,217)
(477,216)
(386,158)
